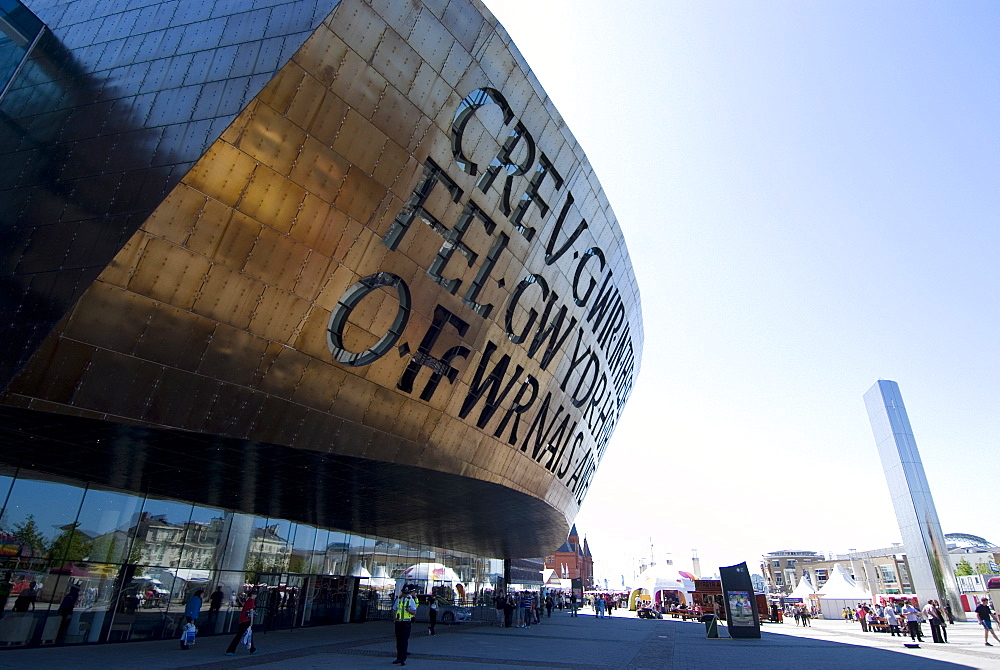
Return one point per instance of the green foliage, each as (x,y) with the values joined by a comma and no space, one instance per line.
(70,545)
(29,534)
(984,569)
(136,554)
(297,564)
(253,568)
(964,568)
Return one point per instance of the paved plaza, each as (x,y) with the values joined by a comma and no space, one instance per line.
(583,642)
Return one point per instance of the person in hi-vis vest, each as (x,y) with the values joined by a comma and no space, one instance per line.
(403,611)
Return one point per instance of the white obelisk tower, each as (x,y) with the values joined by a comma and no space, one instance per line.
(931,573)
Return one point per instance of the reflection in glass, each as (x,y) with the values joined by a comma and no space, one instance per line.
(160,533)
(38,513)
(19,28)
(5,483)
(110,519)
(269,547)
(135,562)
(303,558)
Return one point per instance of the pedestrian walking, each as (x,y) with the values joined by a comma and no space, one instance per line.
(432,614)
(941,619)
(193,609)
(498,603)
(933,617)
(508,610)
(191,612)
(892,621)
(26,598)
(214,605)
(244,632)
(986,618)
(66,611)
(912,615)
(403,611)
(862,614)
(526,602)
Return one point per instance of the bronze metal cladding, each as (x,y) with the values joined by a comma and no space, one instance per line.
(396,260)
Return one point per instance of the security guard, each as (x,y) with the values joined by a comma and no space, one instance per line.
(403,611)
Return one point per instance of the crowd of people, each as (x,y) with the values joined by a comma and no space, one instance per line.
(605,603)
(901,617)
(522,609)
(802,613)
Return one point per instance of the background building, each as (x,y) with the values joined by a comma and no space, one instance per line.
(884,571)
(291,287)
(782,569)
(573,560)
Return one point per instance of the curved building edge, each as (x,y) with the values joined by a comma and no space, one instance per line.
(393,267)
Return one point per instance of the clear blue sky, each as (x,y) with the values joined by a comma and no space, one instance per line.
(810,194)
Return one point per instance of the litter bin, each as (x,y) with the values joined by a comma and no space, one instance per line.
(711,625)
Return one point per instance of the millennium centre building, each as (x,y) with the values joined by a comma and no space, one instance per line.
(310,297)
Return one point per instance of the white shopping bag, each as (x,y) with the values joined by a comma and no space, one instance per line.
(248,637)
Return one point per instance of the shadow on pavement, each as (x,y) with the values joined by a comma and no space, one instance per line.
(688,647)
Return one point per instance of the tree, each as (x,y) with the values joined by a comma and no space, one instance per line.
(983,569)
(29,535)
(297,564)
(253,568)
(70,545)
(964,568)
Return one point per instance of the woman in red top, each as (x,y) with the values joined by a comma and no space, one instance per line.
(246,621)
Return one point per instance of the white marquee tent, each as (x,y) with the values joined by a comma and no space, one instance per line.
(661,579)
(840,591)
(802,591)
(430,575)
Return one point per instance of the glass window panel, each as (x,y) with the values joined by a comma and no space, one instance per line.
(110,519)
(10,546)
(269,546)
(41,515)
(304,553)
(279,537)
(6,479)
(193,562)
(335,555)
(202,537)
(160,533)
(360,552)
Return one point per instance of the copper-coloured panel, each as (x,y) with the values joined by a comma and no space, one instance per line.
(377,260)
(320,171)
(169,273)
(233,355)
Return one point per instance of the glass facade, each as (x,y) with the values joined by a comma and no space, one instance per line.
(132,562)
(19,29)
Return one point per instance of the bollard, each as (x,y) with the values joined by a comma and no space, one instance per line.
(711,625)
